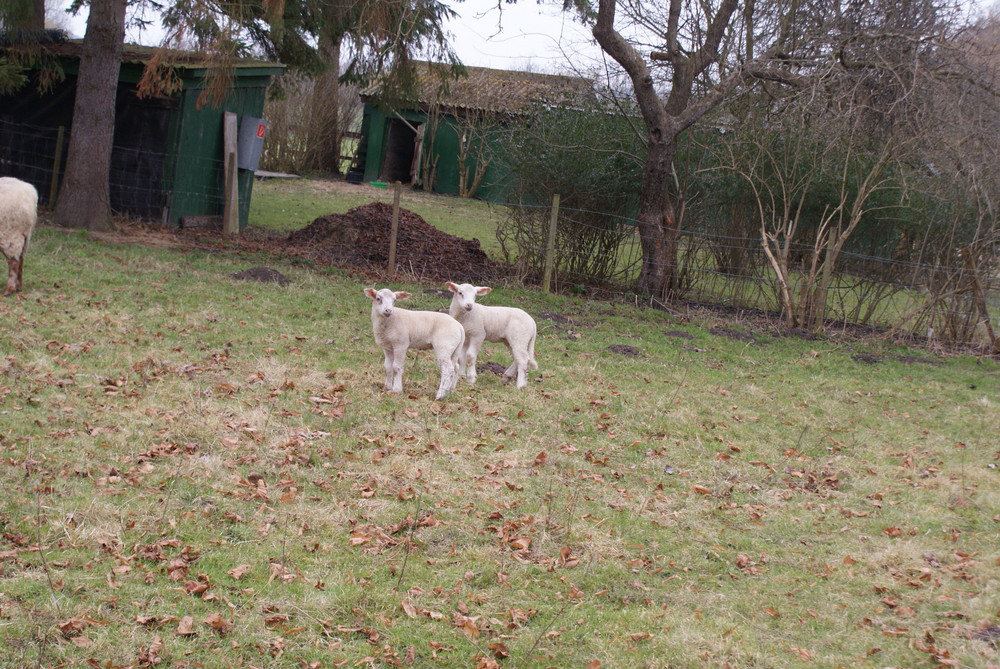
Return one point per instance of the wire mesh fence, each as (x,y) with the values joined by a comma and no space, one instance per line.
(143,183)
(932,303)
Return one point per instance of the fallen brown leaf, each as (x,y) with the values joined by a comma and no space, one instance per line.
(239,572)
(219,624)
(185,627)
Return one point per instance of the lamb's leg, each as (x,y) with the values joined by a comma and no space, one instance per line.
(510,373)
(521,361)
(20,267)
(388,369)
(13,276)
(456,366)
(471,351)
(447,367)
(398,358)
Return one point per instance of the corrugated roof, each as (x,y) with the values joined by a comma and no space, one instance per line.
(486,89)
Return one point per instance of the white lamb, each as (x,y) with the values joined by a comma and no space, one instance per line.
(397,330)
(510,325)
(18,214)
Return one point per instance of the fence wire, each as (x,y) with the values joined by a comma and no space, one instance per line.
(142,183)
(931,303)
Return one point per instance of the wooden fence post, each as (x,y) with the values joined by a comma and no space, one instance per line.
(550,247)
(231,209)
(397,187)
(56,166)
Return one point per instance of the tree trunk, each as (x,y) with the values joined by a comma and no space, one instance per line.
(326,130)
(23,15)
(659,224)
(37,20)
(84,198)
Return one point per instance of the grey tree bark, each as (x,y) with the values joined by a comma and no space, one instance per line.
(84,197)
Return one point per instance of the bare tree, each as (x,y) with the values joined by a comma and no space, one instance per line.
(959,146)
(815,176)
(473,149)
(692,39)
(685,58)
(293,129)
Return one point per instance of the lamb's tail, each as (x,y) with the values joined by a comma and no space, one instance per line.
(531,353)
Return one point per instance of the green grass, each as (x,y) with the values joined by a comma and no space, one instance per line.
(709,502)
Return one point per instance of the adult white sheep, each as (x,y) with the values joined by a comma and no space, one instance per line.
(510,325)
(18,214)
(397,330)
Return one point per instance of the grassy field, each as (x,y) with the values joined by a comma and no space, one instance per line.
(200,471)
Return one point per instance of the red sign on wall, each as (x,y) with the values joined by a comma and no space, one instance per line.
(260,130)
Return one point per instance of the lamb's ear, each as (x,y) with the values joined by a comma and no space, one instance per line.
(402,294)
(482,290)
(370,292)
(452,287)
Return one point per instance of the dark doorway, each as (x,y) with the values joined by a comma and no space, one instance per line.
(399,148)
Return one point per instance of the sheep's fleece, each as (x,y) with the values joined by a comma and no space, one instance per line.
(18,214)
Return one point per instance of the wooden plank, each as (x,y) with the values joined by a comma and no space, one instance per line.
(231,210)
(56,166)
(397,187)
(550,247)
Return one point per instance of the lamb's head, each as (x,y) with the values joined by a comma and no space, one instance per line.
(465,294)
(384,299)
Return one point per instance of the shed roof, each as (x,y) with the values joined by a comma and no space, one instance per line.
(486,89)
(137,54)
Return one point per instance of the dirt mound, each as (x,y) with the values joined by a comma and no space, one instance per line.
(360,238)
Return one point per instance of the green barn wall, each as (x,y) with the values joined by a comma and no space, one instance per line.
(190,182)
(196,166)
(376,123)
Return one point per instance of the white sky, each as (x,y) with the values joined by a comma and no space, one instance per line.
(526,35)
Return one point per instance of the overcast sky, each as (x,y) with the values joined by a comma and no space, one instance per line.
(525,35)
(488,33)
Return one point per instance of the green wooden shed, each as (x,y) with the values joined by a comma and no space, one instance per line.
(167,158)
(448,126)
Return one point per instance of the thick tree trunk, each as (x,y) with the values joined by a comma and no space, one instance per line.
(326,128)
(37,21)
(659,225)
(84,199)
(23,15)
